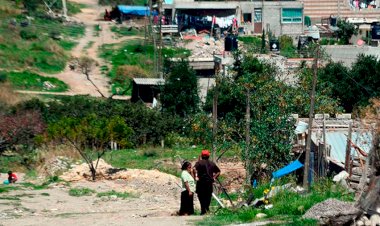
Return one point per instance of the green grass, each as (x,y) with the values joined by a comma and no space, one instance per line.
(9,198)
(134,52)
(288,207)
(34,82)
(127,31)
(32,47)
(89,45)
(7,188)
(67,45)
(74,8)
(34,186)
(144,159)
(96,30)
(78,192)
(122,195)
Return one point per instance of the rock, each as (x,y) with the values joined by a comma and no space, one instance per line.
(343,175)
(359,223)
(366,221)
(333,212)
(375,220)
(113,198)
(261,215)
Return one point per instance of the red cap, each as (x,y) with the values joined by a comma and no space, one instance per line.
(205,153)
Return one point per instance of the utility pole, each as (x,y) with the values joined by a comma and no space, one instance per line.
(160,45)
(311,113)
(348,149)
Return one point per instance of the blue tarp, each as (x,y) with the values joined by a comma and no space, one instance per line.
(287,169)
(135,10)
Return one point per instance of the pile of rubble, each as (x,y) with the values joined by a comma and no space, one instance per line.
(327,211)
(335,212)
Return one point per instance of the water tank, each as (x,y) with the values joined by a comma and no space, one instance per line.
(375,32)
(230,43)
(274,45)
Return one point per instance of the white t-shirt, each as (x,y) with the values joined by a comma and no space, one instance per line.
(186,177)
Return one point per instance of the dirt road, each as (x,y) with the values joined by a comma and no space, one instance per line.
(88,45)
(54,206)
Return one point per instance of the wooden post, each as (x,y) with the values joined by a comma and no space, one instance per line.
(324,149)
(247,134)
(311,113)
(348,149)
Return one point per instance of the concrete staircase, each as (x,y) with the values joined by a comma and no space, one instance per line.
(317,9)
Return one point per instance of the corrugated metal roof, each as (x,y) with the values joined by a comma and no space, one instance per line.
(149,81)
(337,140)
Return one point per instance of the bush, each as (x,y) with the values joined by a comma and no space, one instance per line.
(126,72)
(3,77)
(175,140)
(28,34)
(150,153)
(286,47)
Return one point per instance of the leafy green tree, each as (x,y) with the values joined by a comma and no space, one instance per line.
(270,130)
(325,102)
(91,136)
(180,92)
(353,87)
(31,5)
(346,31)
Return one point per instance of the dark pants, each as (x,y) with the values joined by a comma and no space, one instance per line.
(204,191)
(187,204)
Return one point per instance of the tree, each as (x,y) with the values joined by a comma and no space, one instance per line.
(31,5)
(20,128)
(346,30)
(86,65)
(180,92)
(269,124)
(91,136)
(325,101)
(355,87)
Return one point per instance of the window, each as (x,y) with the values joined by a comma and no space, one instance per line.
(291,16)
(247,17)
(258,15)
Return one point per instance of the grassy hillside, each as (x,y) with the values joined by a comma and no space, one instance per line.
(133,59)
(34,43)
(31,81)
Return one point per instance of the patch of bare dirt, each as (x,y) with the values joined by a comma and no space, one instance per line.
(155,200)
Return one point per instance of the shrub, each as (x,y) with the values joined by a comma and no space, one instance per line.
(20,129)
(3,77)
(150,153)
(125,72)
(28,34)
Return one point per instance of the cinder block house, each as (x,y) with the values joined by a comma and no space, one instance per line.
(279,17)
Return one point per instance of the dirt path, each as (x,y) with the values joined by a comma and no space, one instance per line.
(88,46)
(54,206)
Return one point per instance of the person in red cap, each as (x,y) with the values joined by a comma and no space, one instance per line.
(206,172)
